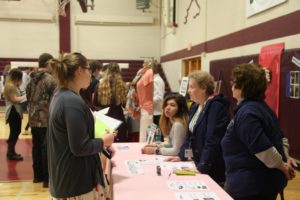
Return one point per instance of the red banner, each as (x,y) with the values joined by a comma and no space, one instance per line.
(270,57)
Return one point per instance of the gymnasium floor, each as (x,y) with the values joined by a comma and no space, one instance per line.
(24,189)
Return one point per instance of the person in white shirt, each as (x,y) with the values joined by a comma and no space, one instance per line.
(158,93)
(173,123)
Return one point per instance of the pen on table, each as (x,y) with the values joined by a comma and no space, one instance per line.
(169,175)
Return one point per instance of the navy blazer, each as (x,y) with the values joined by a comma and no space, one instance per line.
(255,128)
(206,137)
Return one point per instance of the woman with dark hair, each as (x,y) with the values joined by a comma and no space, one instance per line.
(207,125)
(14,114)
(173,123)
(112,93)
(75,169)
(255,162)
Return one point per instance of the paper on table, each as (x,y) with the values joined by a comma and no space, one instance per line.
(104,123)
(196,195)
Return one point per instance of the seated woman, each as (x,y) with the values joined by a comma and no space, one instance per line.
(207,126)
(173,124)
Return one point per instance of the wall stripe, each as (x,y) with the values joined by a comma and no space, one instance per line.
(283,26)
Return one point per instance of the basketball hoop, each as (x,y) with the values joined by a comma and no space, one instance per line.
(62,7)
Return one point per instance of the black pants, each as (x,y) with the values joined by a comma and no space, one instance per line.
(39,153)
(15,123)
(259,197)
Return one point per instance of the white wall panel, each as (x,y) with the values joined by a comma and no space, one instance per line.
(28,39)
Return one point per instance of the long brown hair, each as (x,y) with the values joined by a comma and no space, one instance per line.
(112,89)
(14,76)
(181,115)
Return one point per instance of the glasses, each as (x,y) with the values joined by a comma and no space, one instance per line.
(87,69)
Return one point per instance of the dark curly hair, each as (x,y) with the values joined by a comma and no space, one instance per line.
(251,79)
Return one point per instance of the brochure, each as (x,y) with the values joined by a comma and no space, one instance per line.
(104,124)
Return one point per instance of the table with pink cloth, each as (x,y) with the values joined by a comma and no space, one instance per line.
(149,185)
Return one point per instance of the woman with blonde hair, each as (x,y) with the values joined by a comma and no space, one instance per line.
(207,126)
(75,169)
(112,93)
(13,111)
(173,123)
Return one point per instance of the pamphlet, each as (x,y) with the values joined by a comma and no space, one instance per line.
(104,124)
(196,195)
(187,185)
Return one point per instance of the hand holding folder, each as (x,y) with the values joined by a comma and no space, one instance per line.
(104,124)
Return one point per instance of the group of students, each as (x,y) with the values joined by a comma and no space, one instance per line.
(38,93)
(250,148)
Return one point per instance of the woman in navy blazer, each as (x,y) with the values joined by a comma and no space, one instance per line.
(207,125)
(256,165)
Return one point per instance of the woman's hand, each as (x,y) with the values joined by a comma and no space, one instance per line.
(111,150)
(148,150)
(151,145)
(108,139)
(173,159)
(288,171)
(291,162)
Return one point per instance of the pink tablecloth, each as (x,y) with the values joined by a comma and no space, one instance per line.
(149,185)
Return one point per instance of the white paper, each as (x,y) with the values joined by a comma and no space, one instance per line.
(151,133)
(187,185)
(152,161)
(176,165)
(134,167)
(109,121)
(123,148)
(184,85)
(196,195)
(103,111)
(296,61)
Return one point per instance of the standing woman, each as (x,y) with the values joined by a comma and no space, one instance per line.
(207,125)
(13,111)
(173,123)
(112,93)
(74,165)
(255,162)
(144,88)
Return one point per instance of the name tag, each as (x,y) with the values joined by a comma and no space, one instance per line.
(188,153)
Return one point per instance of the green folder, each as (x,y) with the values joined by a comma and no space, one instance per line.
(104,123)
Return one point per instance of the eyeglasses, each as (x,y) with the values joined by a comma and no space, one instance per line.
(87,69)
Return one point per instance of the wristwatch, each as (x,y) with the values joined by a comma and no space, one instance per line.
(157,151)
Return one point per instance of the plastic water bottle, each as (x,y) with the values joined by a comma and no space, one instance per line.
(148,134)
(158,135)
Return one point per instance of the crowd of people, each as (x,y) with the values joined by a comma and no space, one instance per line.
(247,155)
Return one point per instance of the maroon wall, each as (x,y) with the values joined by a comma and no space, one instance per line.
(289,109)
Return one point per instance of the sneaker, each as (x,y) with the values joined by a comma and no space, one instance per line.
(15,157)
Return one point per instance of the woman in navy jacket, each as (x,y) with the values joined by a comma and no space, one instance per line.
(256,166)
(207,125)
